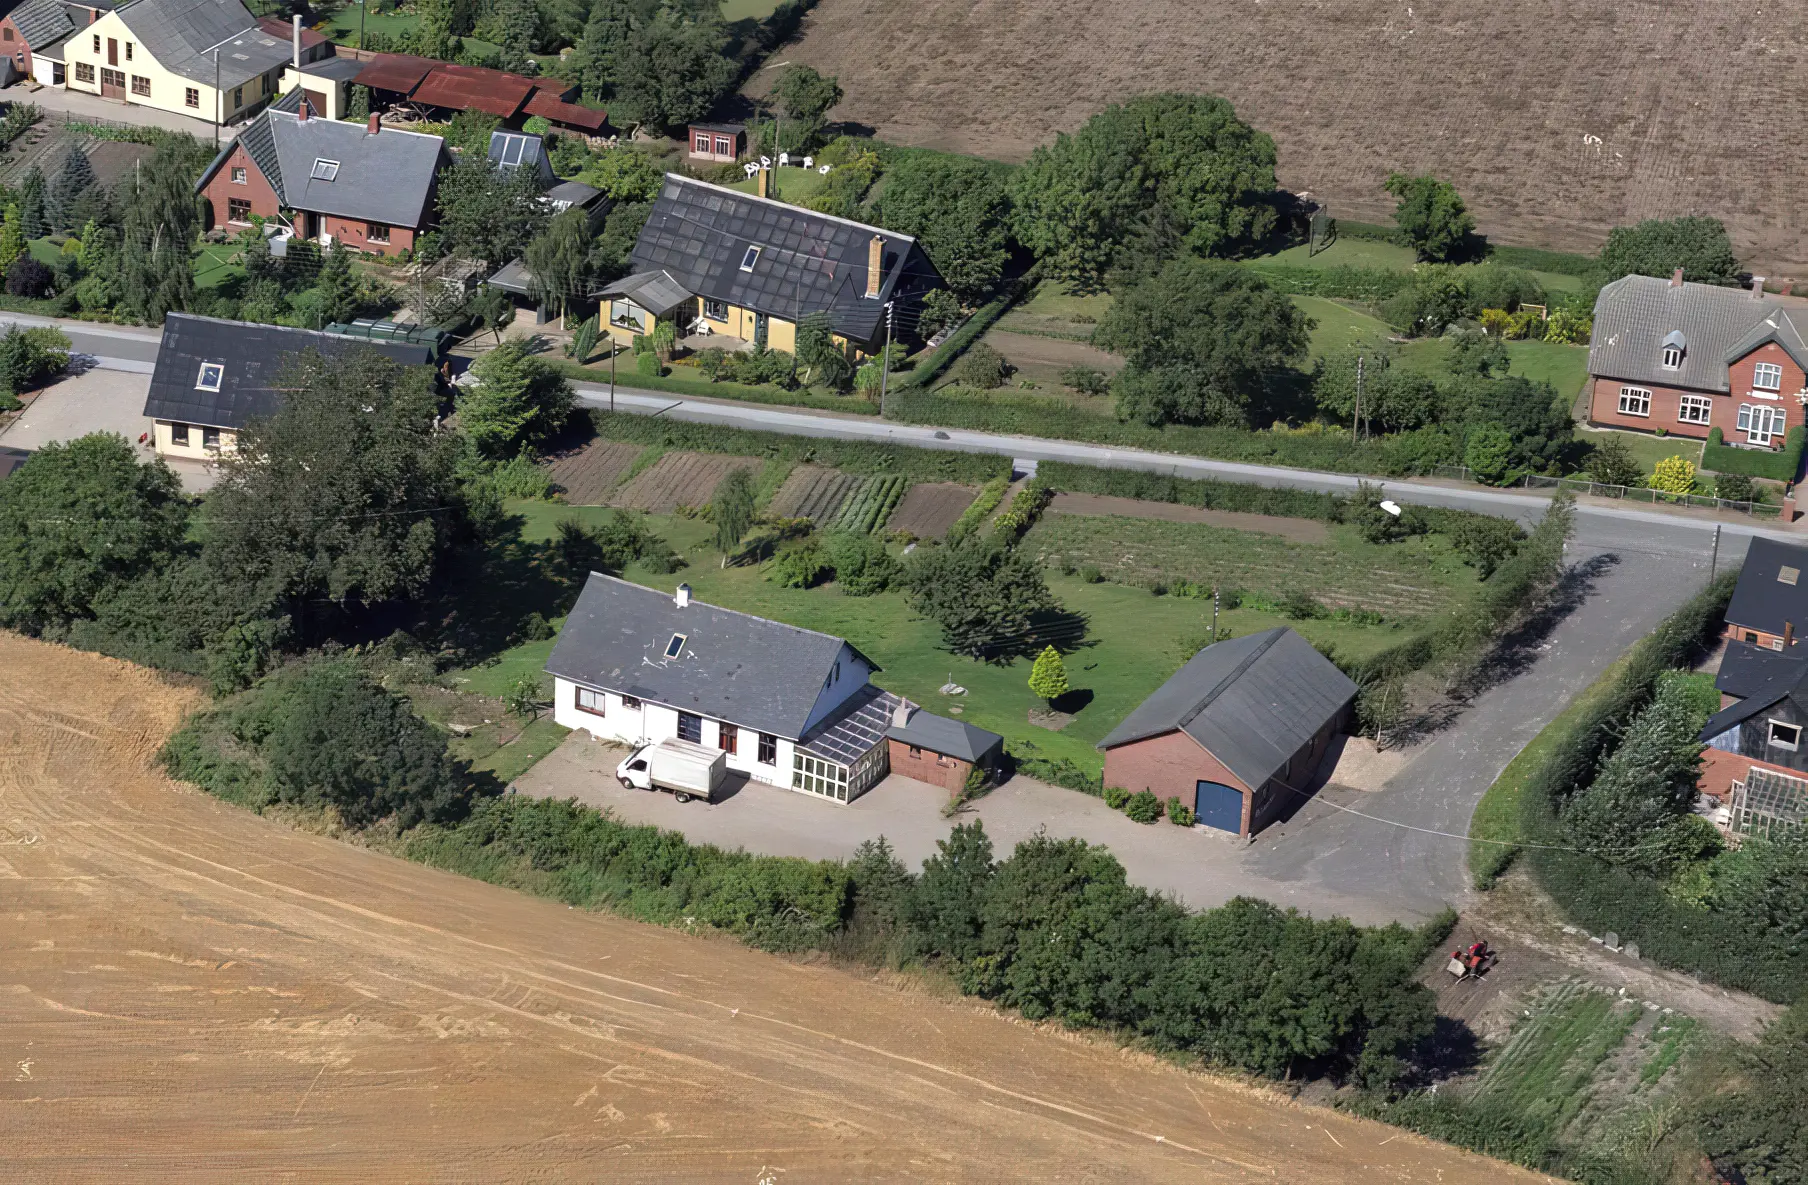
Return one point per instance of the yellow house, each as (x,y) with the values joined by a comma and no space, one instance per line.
(716,262)
(208,59)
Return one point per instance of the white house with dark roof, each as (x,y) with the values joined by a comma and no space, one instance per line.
(1687,358)
(790,707)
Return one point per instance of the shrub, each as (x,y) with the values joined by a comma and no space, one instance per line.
(1488,454)
(982,368)
(1735,487)
(800,563)
(1780,466)
(1115,797)
(1048,676)
(862,565)
(649,365)
(1613,464)
(1143,807)
(27,277)
(983,504)
(1673,475)
(1300,605)
(1179,813)
(29,356)
(1087,380)
(1091,575)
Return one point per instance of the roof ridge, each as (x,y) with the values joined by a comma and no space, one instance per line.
(1274,635)
(343,123)
(718,608)
(754,197)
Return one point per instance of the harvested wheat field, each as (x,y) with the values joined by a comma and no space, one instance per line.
(589,474)
(930,508)
(680,479)
(814,493)
(1556,120)
(193,993)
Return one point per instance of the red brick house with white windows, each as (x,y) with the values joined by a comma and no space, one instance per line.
(358,183)
(1688,358)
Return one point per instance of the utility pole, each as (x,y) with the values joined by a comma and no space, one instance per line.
(885,360)
(614,349)
(1714,559)
(1214,613)
(1356,417)
(219,101)
(363,7)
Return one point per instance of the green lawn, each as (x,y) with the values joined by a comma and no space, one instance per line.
(1348,253)
(44,251)
(1051,299)
(1340,326)
(1646,448)
(747,10)
(213,266)
(1135,640)
(392,24)
(794,185)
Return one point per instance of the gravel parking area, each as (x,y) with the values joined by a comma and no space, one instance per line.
(95,400)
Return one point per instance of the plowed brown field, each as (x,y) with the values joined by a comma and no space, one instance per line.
(680,479)
(191,993)
(1557,119)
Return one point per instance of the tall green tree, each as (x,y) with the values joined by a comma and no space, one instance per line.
(346,494)
(340,299)
(79,520)
(162,222)
(559,260)
(957,209)
(672,72)
(985,597)
(731,509)
(1432,218)
(1183,163)
(825,362)
(1201,337)
(488,214)
(1657,246)
(74,178)
(1645,785)
(598,55)
(519,401)
(32,223)
(518,29)
(806,97)
(946,902)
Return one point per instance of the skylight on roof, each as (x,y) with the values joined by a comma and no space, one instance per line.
(748,260)
(675,647)
(210,376)
(1788,575)
(513,148)
(325,170)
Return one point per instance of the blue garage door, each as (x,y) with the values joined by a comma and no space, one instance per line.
(1220,806)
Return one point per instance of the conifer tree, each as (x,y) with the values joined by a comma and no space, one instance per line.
(1048,677)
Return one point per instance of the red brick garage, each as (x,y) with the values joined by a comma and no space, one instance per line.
(938,750)
(1237,732)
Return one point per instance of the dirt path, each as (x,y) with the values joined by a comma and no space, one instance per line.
(189,991)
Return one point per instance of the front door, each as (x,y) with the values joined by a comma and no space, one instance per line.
(112,51)
(112,83)
(759,329)
(1218,805)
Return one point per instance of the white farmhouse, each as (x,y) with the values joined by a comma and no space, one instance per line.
(790,707)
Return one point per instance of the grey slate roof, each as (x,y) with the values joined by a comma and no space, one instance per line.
(1634,316)
(253,359)
(1251,702)
(567,194)
(942,734)
(753,672)
(656,291)
(11,459)
(1763,602)
(386,178)
(42,22)
(336,68)
(808,262)
(1745,668)
(180,36)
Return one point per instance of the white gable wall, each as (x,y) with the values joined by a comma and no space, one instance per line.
(854,674)
(651,723)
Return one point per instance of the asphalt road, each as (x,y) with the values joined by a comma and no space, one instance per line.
(113,347)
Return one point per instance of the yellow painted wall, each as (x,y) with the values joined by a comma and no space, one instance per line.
(168,90)
(167,446)
(326,88)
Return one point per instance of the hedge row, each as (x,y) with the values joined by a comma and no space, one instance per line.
(704,389)
(851,456)
(1724,947)
(1206,493)
(1718,457)
(1537,259)
(937,364)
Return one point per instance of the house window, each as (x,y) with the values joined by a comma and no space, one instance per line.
(1759,423)
(768,751)
(728,738)
(1635,401)
(594,702)
(238,176)
(702,142)
(690,727)
(675,647)
(210,376)
(97,43)
(128,51)
(723,146)
(141,86)
(1695,409)
(630,704)
(628,315)
(84,71)
(1672,357)
(238,97)
(210,438)
(325,170)
(916,754)
(376,232)
(715,310)
(1767,376)
(7,33)
(238,209)
(1785,736)
(192,97)
(748,260)
(813,775)
(178,434)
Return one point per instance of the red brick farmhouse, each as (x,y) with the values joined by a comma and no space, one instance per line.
(1237,733)
(1687,358)
(355,183)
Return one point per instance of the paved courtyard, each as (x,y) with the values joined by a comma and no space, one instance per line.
(96,400)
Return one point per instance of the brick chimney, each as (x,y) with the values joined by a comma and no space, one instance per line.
(765,182)
(376,123)
(1757,287)
(875,259)
(1676,278)
(295,38)
(301,112)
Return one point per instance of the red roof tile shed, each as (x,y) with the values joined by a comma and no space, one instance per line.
(469,88)
(397,72)
(550,106)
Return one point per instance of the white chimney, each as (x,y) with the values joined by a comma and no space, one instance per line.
(900,715)
(682,597)
(296,31)
(1757,287)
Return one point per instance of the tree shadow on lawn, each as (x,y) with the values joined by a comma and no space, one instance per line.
(489,593)
(1511,655)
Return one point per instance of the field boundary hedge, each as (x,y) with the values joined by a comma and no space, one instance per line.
(704,389)
(1367,284)
(1720,457)
(983,318)
(1205,493)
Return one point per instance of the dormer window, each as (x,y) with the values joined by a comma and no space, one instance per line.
(1674,345)
(210,376)
(1767,376)
(325,170)
(748,260)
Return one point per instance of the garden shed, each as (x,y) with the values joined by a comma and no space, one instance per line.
(1237,732)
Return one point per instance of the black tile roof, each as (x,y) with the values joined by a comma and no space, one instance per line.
(1746,668)
(1763,602)
(11,459)
(1787,681)
(252,358)
(807,262)
(1252,702)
